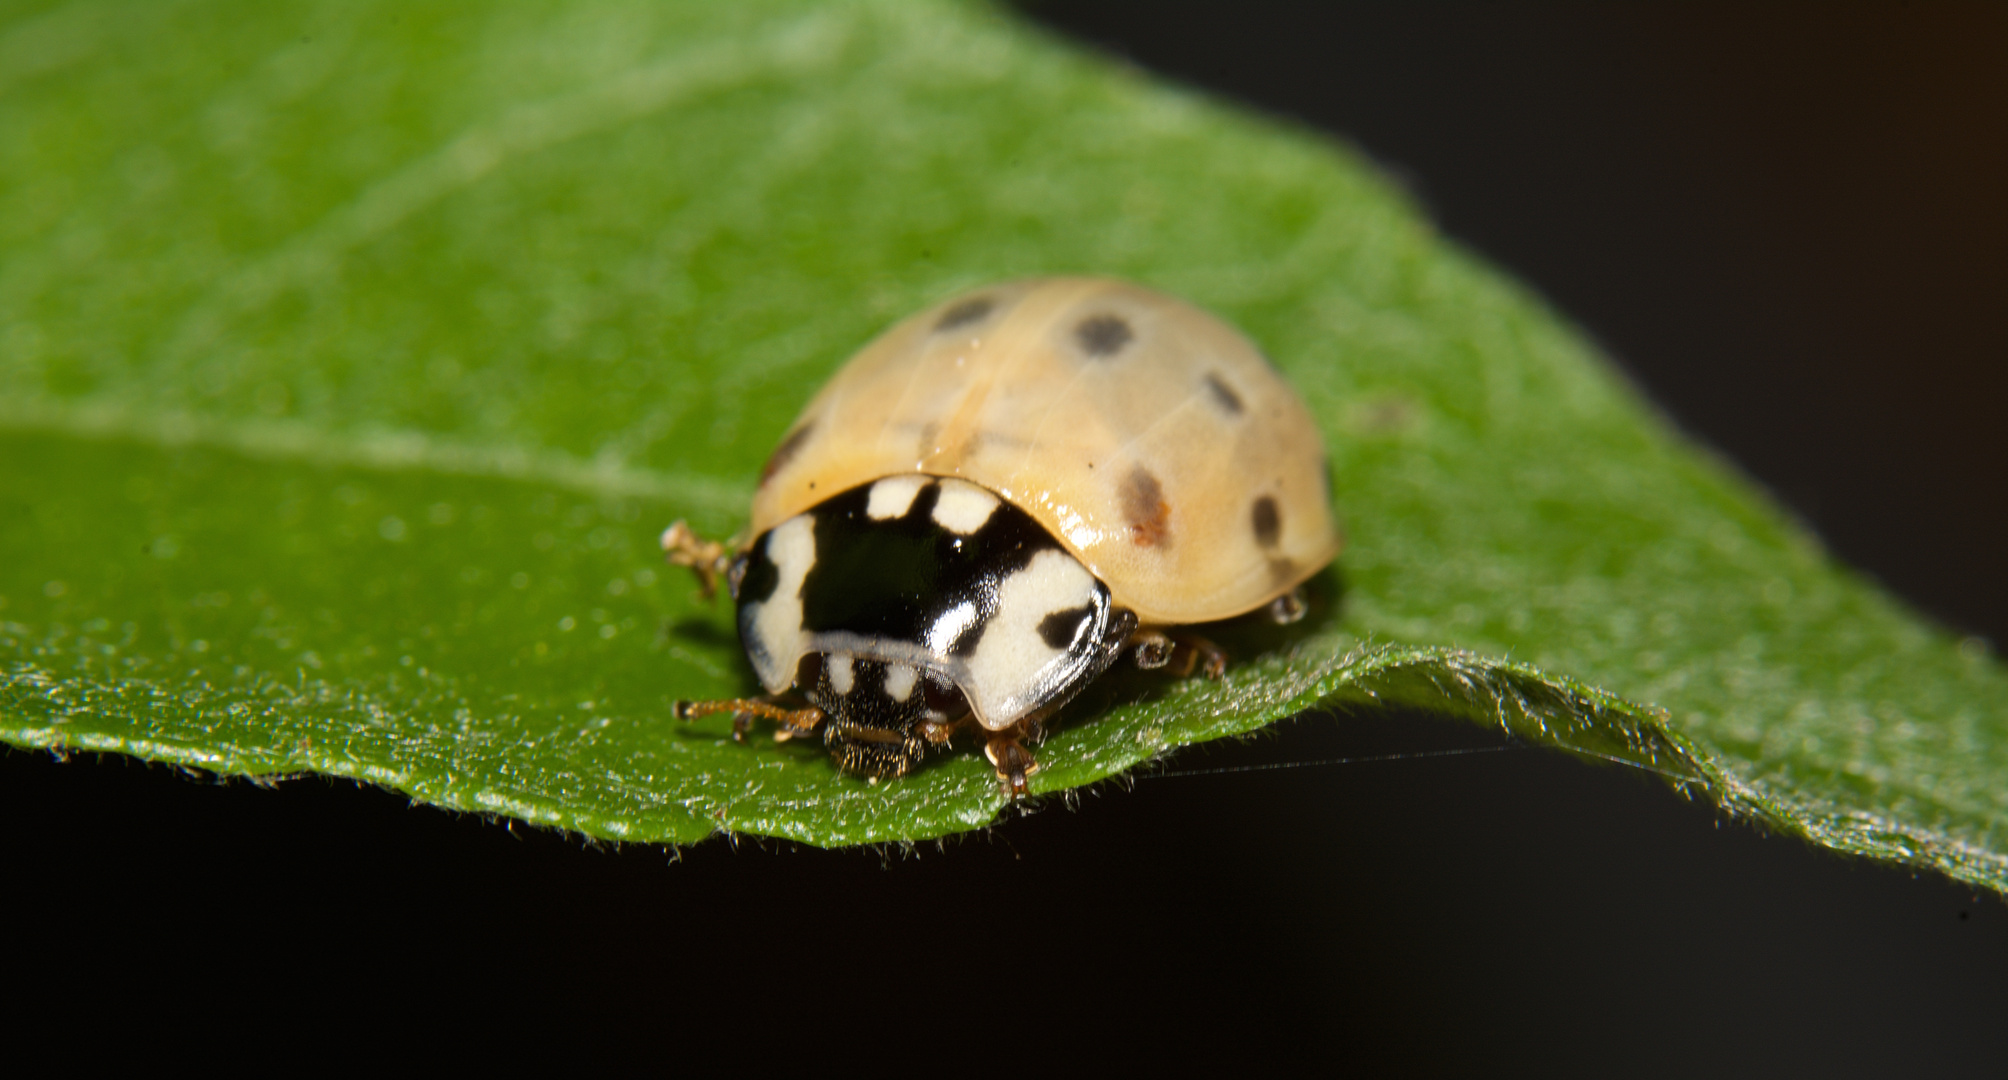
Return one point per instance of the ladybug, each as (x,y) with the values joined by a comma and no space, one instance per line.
(998,499)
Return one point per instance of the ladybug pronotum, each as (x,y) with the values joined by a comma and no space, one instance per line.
(1001,497)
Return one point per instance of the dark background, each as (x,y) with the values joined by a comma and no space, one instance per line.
(1787,225)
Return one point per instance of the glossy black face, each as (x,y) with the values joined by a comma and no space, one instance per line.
(868,730)
(914,601)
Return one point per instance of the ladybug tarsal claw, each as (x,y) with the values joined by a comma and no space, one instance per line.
(1013,763)
(708,559)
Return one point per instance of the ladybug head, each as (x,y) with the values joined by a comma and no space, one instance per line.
(877,712)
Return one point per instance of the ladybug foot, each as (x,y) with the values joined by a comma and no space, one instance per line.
(1179,656)
(1013,762)
(1289,607)
(708,559)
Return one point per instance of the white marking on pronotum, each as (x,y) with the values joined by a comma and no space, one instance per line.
(962,507)
(899,680)
(778,622)
(893,496)
(941,636)
(1012,655)
(838,665)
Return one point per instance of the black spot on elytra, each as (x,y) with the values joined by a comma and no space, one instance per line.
(965,312)
(1103,336)
(1282,570)
(1143,504)
(1223,395)
(1268,521)
(1059,629)
(786,452)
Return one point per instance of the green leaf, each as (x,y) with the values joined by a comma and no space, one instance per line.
(352,355)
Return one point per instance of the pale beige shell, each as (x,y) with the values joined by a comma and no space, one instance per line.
(1151,438)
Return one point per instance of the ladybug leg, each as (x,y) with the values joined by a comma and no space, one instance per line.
(1289,607)
(937,732)
(947,713)
(1202,655)
(1013,762)
(1178,655)
(794,722)
(708,559)
(1151,649)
